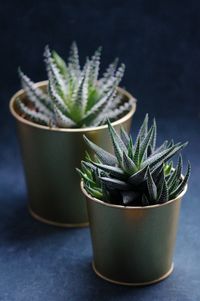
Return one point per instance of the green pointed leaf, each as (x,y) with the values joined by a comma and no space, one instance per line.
(86,169)
(85,176)
(78,102)
(37,98)
(104,156)
(112,183)
(34,116)
(119,74)
(181,186)
(95,63)
(136,155)
(62,120)
(88,165)
(97,175)
(112,170)
(156,171)
(175,178)
(138,177)
(116,138)
(74,58)
(60,63)
(145,143)
(57,99)
(164,194)
(143,129)
(96,193)
(160,183)
(96,108)
(87,156)
(152,189)
(128,165)
(110,71)
(54,71)
(125,137)
(164,155)
(179,166)
(130,148)
(84,93)
(172,180)
(154,136)
(168,168)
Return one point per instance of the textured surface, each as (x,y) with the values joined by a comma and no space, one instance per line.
(160,43)
(42,262)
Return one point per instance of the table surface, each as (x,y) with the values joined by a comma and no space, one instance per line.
(41,262)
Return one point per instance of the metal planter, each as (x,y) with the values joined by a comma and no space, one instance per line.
(50,156)
(133,245)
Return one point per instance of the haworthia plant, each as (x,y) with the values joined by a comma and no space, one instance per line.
(139,174)
(76,97)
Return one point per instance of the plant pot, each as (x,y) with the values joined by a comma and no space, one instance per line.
(133,245)
(50,156)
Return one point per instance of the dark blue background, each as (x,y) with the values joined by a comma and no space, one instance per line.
(159,41)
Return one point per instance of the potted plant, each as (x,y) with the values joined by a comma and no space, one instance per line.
(133,201)
(51,118)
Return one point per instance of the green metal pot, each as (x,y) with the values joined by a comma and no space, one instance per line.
(133,245)
(50,156)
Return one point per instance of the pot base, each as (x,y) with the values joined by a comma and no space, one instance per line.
(63,225)
(134,284)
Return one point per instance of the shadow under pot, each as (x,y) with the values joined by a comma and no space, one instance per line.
(50,156)
(133,245)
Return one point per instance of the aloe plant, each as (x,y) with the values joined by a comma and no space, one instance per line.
(139,174)
(76,97)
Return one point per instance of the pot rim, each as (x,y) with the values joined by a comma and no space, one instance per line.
(70,130)
(131,207)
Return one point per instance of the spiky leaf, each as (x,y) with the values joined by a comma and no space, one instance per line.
(112,183)
(103,155)
(152,189)
(181,186)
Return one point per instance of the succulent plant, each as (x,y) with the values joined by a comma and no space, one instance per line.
(75,97)
(139,174)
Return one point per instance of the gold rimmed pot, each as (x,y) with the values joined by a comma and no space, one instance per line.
(50,156)
(133,245)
